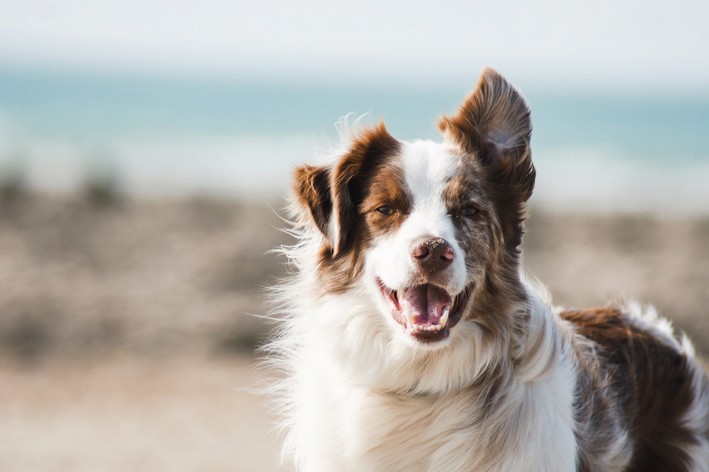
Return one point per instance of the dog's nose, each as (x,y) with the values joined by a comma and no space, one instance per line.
(433,254)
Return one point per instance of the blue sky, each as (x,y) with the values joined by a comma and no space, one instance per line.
(628,44)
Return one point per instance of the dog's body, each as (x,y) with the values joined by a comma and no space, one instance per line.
(413,342)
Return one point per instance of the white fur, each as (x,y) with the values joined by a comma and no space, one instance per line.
(357,389)
(697,417)
(427,166)
(356,394)
(356,384)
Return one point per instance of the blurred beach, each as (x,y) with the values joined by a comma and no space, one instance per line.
(135,239)
(146,150)
(128,325)
(596,150)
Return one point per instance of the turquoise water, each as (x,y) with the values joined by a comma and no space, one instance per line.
(81,113)
(103,107)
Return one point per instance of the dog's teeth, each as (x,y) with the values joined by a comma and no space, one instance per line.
(444,316)
(420,328)
(410,318)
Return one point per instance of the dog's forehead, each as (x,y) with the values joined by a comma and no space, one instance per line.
(428,166)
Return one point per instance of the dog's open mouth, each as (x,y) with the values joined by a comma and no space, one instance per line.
(427,312)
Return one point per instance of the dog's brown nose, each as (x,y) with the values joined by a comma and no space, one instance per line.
(433,254)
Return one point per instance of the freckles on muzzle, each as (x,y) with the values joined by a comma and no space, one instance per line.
(432,255)
(425,307)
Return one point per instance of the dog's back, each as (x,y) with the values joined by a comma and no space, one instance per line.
(636,375)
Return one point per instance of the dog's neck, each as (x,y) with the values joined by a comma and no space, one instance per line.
(525,348)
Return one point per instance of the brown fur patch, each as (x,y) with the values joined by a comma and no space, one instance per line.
(494,120)
(491,259)
(311,188)
(651,384)
(344,192)
(351,178)
(386,189)
(493,126)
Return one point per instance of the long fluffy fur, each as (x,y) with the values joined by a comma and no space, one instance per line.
(519,384)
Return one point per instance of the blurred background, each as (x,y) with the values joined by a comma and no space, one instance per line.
(145,152)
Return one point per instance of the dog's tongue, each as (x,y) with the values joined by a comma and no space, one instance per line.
(424,304)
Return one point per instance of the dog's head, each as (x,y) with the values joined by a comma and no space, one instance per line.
(432,230)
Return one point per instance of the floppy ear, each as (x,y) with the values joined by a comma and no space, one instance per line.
(494,124)
(312,189)
(335,193)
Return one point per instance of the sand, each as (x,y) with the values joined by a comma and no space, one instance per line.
(131,415)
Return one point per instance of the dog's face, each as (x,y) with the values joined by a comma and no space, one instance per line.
(432,230)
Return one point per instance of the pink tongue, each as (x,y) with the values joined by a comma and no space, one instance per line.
(425,303)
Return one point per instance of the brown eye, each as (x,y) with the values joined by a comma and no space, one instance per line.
(385,210)
(469,211)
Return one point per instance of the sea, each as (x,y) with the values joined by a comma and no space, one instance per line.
(159,135)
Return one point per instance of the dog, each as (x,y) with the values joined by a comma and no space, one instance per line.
(412,341)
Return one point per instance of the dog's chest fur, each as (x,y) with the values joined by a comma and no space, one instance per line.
(349,428)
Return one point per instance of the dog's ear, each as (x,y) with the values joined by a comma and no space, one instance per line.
(312,190)
(494,124)
(332,195)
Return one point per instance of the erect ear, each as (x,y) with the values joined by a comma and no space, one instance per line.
(331,195)
(494,124)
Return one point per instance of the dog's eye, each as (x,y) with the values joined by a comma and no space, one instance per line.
(386,210)
(469,211)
